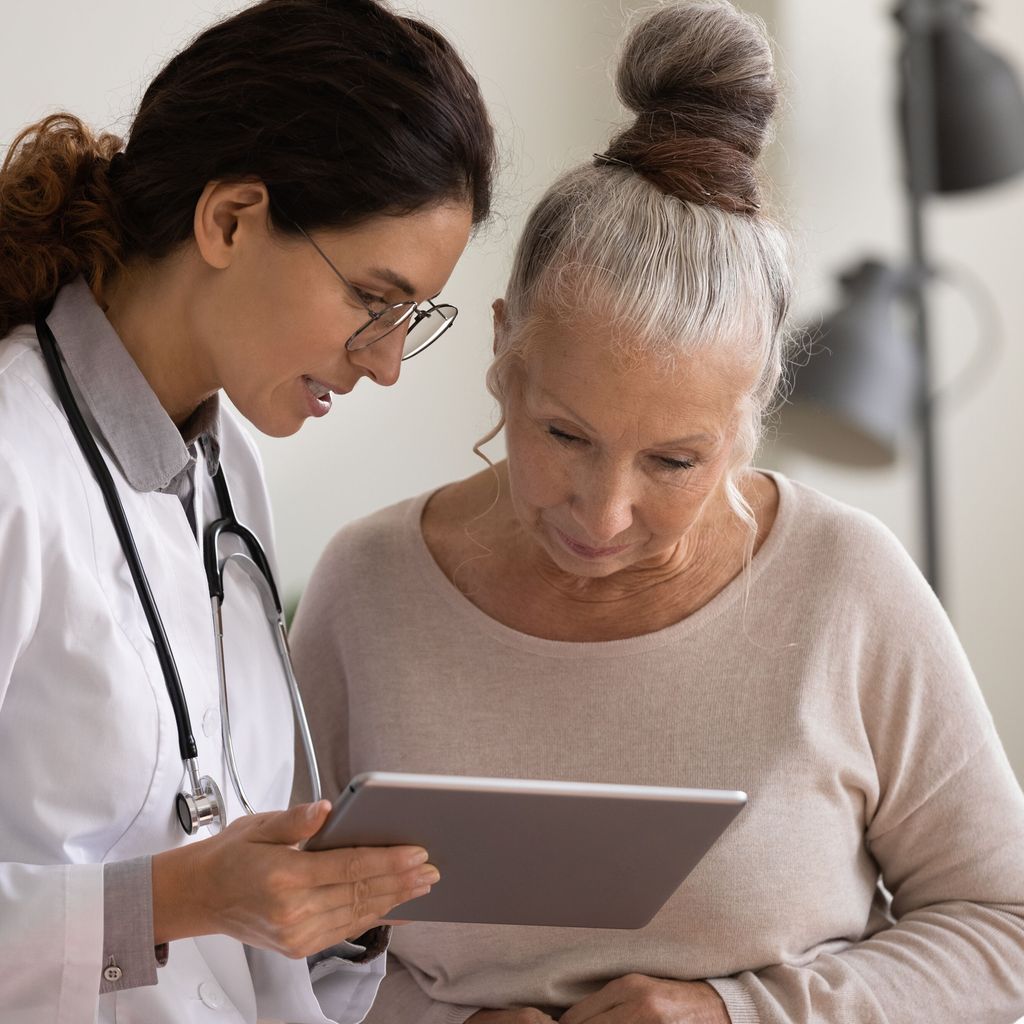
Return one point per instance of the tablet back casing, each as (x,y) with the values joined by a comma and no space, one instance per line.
(535,853)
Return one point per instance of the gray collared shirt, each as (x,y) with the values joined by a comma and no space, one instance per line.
(152,452)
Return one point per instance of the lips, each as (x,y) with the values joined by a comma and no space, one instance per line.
(584,551)
(318,396)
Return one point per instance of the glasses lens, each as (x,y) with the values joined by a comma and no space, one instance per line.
(390,318)
(427,327)
(420,327)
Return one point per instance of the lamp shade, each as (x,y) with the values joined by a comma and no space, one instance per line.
(855,397)
(978,104)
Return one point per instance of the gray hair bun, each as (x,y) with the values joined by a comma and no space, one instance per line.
(700,77)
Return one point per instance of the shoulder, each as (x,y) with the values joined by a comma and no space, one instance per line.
(374,541)
(436,516)
(848,582)
(840,546)
(452,510)
(24,382)
(19,340)
(853,599)
(364,566)
(31,421)
(841,580)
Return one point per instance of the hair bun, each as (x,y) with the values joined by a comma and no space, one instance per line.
(700,76)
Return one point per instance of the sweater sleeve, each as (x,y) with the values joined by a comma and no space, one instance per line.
(400,1000)
(946,830)
(954,867)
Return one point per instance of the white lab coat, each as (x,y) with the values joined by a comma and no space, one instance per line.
(88,744)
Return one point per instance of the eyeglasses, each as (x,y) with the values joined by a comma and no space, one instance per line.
(422,324)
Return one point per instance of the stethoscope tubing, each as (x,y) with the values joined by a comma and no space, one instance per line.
(228,523)
(98,465)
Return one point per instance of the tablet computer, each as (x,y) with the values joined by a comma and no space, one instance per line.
(527,852)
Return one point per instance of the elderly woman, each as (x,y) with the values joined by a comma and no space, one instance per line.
(626,599)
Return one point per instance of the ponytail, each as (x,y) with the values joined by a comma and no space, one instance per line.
(58,214)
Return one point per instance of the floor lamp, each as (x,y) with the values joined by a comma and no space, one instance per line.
(868,376)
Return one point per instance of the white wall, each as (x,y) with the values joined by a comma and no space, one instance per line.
(543,66)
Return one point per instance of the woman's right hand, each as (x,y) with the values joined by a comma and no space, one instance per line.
(253,883)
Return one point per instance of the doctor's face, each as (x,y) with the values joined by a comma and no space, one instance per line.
(612,464)
(282,317)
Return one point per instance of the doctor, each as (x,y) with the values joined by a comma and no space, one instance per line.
(296,189)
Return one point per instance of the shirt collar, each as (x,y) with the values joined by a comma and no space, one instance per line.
(143,439)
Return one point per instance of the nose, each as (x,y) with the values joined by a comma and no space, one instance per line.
(603,506)
(382,360)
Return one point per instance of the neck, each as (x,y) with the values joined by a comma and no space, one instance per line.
(146,305)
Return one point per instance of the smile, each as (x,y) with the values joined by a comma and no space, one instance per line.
(319,395)
(587,552)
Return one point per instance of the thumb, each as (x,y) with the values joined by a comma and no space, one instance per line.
(295,825)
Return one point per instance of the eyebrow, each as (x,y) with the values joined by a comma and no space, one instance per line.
(683,441)
(387,274)
(557,401)
(675,443)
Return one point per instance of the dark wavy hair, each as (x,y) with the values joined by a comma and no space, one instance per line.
(343,109)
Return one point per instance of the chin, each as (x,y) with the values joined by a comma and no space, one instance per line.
(280,429)
(272,425)
(586,568)
(266,411)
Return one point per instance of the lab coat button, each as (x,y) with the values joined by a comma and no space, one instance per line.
(212,996)
(211,722)
(112,973)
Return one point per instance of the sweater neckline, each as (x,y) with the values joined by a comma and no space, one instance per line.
(471,616)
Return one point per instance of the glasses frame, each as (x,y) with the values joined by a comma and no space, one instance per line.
(412,311)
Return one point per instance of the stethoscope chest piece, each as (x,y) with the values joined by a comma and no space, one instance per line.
(204,806)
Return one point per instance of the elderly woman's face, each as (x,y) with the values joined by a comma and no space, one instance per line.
(611,465)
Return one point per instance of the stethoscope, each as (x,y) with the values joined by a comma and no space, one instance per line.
(204,804)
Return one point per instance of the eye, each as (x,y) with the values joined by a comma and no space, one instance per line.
(674,465)
(565,438)
(375,302)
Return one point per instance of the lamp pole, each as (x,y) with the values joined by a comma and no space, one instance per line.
(917,19)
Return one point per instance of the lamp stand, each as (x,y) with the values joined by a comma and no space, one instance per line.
(917,18)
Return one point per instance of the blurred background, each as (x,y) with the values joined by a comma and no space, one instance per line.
(838,183)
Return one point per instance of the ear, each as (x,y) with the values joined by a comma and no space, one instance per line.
(498,306)
(226,213)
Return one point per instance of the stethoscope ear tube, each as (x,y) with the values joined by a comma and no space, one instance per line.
(263,577)
(51,354)
(228,523)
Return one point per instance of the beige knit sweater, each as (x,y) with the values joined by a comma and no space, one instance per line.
(835,694)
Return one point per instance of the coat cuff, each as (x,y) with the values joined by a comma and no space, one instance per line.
(130,958)
(367,948)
